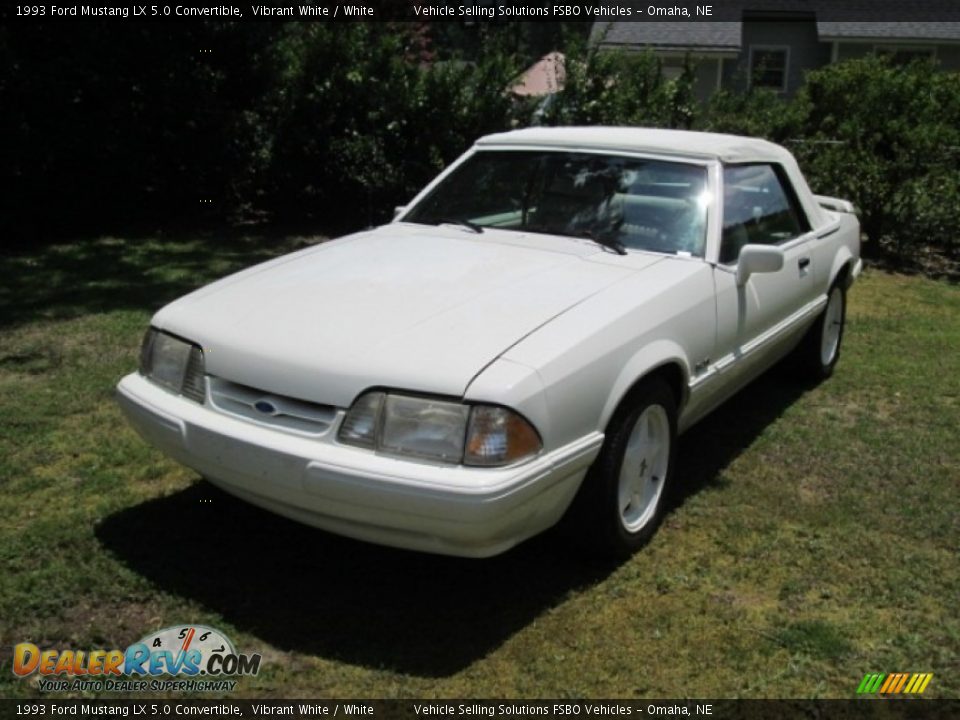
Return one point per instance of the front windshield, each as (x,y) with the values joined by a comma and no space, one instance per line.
(637,203)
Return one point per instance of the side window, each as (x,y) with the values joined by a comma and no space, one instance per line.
(759,208)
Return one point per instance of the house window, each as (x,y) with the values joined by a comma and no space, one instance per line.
(768,67)
(904,54)
(672,72)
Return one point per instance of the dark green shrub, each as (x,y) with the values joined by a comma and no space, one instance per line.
(756,112)
(361,123)
(886,137)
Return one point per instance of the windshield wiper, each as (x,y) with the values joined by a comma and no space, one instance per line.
(462,223)
(605,241)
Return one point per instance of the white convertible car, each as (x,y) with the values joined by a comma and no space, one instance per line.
(530,334)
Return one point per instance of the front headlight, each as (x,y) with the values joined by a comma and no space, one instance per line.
(440,430)
(428,428)
(173,363)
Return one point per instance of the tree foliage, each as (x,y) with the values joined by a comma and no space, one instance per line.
(887,137)
(169,123)
(166,123)
(620,88)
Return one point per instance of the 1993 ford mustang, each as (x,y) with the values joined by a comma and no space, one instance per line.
(531,333)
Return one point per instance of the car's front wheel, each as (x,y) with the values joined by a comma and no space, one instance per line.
(630,481)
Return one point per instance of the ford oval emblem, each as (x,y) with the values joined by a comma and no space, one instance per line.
(265,406)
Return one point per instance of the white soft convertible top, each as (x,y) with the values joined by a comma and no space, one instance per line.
(714,146)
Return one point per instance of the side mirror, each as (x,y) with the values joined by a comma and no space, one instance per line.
(398,211)
(758,259)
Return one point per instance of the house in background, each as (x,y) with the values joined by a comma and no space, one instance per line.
(545,77)
(774,48)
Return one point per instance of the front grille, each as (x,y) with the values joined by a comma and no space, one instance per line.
(277,411)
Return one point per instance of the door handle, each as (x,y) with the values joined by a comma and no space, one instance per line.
(804,263)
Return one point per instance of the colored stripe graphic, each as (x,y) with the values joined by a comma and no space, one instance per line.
(891,680)
(923,679)
(870,683)
(894,683)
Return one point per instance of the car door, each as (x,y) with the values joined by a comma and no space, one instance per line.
(760,320)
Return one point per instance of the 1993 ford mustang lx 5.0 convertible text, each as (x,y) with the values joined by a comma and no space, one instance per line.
(544,318)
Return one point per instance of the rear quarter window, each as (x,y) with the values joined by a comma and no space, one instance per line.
(760,207)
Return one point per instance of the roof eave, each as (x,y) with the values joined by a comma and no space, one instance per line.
(889,39)
(712,51)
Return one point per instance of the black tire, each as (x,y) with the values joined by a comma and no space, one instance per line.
(602,515)
(814,359)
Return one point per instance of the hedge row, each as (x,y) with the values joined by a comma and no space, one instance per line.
(339,123)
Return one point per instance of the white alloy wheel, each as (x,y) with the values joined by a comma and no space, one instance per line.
(832,327)
(643,472)
(623,498)
(818,352)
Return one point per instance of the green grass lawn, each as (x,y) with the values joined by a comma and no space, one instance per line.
(816,539)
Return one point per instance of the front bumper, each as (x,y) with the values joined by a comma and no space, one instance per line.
(453,510)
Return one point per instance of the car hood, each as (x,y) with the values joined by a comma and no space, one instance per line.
(402,306)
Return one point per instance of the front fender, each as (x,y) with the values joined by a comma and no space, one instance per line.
(649,358)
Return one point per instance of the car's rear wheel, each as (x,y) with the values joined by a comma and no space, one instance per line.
(628,485)
(820,349)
